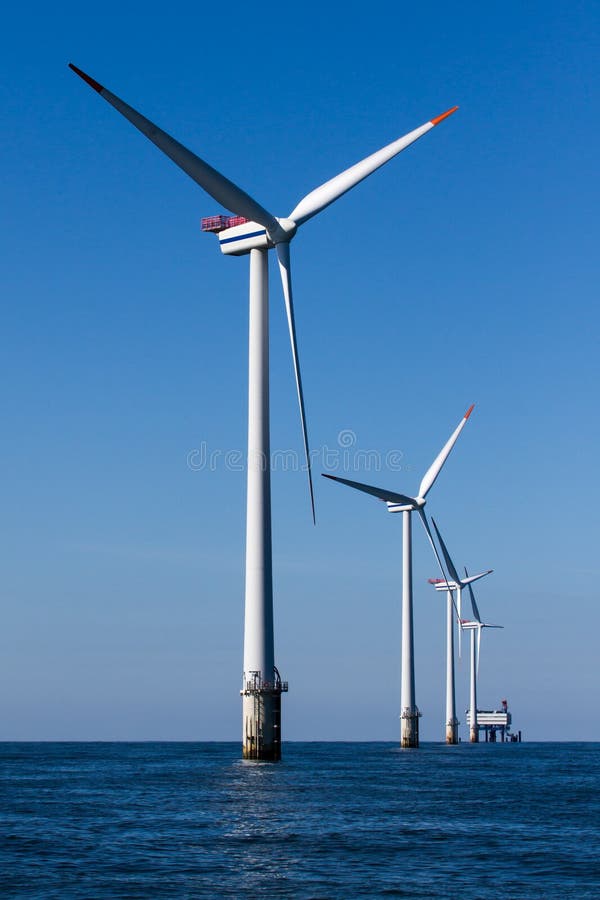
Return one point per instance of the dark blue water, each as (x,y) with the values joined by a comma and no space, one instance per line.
(330,821)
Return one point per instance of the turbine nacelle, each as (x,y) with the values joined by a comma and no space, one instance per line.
(241,239)
(441,585)
(469,624)
(416,503)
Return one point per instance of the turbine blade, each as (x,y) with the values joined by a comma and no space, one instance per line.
(478,647)
(331,190)
(434,548)
(283,255)
(449,562)
(435,468)
(220,188)
(476,614)
(380,493)
(432,542)
(473,578)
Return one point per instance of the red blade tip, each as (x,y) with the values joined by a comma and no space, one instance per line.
(90,81)
(470,410)
(443,116)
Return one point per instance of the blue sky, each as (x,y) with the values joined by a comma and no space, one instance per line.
(464,271)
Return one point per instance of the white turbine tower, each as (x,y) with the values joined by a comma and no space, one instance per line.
(455,585)
(407,505)
(476,625)
(255,231)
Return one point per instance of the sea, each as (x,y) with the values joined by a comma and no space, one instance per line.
(332,820)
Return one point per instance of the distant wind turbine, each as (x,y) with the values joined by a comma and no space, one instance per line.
(407,505)
(476,625)
(456,585)
(256,231)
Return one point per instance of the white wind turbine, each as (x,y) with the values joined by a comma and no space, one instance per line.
(407,505)
(456,585)
(255,232)
(476,625)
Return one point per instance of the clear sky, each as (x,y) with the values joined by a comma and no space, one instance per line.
(464,271)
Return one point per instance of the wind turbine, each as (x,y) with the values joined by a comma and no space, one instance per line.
(457,584)
(255,231)
(476,625)
(396,503)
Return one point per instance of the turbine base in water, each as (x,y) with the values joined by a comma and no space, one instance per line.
(261,715)
(452,732)
(409,732)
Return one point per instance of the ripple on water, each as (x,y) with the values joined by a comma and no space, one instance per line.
(332,820)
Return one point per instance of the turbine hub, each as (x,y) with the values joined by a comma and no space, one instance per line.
(289,229)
